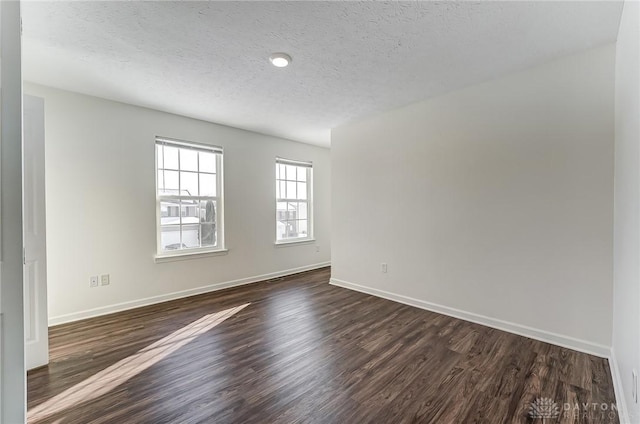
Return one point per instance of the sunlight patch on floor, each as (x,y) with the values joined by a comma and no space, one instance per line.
(113,376)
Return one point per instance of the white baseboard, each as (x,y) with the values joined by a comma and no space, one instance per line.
(521,330)
(623,412)
(90,313)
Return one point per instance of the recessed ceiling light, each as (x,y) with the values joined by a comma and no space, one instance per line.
(280,60)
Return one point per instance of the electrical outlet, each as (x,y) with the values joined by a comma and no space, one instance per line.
(93,281)
(634,387)
(383,268)
(104,279)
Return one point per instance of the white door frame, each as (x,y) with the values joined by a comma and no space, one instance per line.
(12,362)
(34,234)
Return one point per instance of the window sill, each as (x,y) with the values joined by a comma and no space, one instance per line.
(160,258)
(294,242)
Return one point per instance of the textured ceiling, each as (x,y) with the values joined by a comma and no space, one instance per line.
(209,60)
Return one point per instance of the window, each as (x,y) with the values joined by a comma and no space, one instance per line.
(293,201)
(189,197)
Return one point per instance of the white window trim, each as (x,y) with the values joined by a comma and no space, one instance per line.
(189,254)
(285,243)
(196,252)
(310,218)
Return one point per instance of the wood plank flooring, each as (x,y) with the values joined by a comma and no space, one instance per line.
(298,350)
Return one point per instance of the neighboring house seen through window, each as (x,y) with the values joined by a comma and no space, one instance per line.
(189,197)
(293,201)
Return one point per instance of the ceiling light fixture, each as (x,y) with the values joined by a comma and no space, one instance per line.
(280,60)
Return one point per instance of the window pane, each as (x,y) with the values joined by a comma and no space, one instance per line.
(302,173)
(283,189)
(207,162)
(280,230)
(292,210)
(191,235)
(189,212)
(208,211)
(281,212)
(291,172)
(164,211)
(160,181)
(208,234)
(291,190)
(302,191)
(281,220)
(188,184)
(170,157)
(160,163)
(170,237)
(293,229)
(302,228)
(290,229)
(207,184)
(188,160)
(170,182)
(169,213)
(302,211)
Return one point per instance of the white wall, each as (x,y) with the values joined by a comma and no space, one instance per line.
(100,160)
(12,363)
(493,202)
(626,300)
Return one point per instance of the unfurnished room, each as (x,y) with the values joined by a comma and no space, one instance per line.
(319,212)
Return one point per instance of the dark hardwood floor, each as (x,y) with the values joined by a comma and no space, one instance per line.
(298,350)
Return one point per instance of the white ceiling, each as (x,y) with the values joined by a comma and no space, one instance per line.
(209,60)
